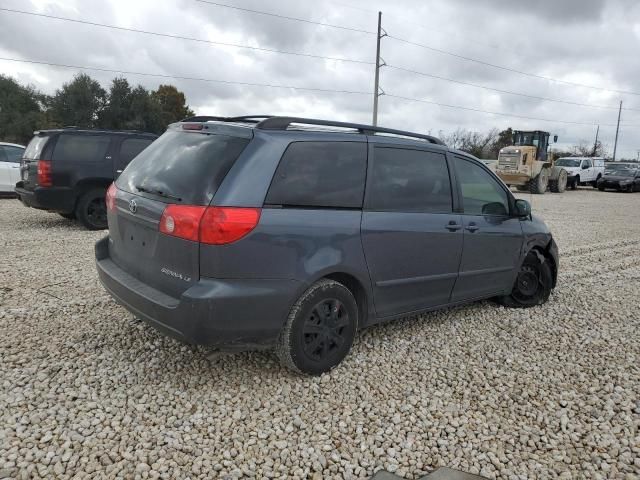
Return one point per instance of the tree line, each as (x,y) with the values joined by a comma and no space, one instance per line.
(83,102)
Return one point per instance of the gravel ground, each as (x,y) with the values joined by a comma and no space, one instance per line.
(549,392)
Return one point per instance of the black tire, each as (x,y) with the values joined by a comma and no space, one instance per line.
(533,284)
(320,329)
(68,216)
(575,182)
(91,209)
(595,183)
(601,188)
(540,184)
(629,189)
(559,184)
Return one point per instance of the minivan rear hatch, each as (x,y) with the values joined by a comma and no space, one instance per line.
(183,167)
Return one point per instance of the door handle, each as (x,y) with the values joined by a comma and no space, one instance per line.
(472,227)
(453,226)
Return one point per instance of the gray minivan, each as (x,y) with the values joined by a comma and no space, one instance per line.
(291,233)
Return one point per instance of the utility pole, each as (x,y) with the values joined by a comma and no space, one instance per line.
(615,144)
(379,63)
(595,144)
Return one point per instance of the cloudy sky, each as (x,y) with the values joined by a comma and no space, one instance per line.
(583,43)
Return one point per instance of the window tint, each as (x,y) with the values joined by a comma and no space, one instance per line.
(14,154)
(320,174)
(81,148)
(588,163)
(409,181)
(3,155)
(186,165)
(131,147)
(481,193)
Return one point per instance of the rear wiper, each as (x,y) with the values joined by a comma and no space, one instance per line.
(155,191)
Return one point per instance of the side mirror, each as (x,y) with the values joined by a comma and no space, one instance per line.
(555,139)
(523,208)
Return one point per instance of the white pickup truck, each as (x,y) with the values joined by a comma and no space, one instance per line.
(582,170)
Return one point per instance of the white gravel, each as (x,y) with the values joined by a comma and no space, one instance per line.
(550,392)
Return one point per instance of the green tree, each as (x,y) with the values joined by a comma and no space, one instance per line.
(22,110)
(145,112)
(505,138)
(118,111)
(172,103)
(78,102)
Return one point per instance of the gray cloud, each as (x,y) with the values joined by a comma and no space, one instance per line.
(589,41)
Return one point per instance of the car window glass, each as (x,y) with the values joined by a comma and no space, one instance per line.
(3,154)
(81,148)
(131,147)
(588,163)
(320,174)
(405,180)
(481,193)
(14,154)
(34,149)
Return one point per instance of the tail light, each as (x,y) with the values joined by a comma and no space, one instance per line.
(210,225)
(44,173)
(110,198)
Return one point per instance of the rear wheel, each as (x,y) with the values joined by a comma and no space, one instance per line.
(92,209)
(533,284)
(539,184)
(320,329)
(559,184)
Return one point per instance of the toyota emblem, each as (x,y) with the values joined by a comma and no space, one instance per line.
(133,206)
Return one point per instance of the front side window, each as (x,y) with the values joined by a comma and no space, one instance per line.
(409,181)
(481,193)
(81,148)
(131,147)
(587,164)
(320,174)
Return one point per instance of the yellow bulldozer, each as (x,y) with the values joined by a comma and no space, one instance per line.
(527,164)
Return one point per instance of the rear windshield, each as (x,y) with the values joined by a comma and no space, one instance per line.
(183,167)
(34,149)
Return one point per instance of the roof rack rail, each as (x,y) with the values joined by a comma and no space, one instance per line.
(244,118)
(282,123)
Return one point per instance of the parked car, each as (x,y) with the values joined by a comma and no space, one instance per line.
(259,232)
(68,170)
(623,177)
(582,170)
(10,155)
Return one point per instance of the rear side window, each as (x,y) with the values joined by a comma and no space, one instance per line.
(14,154)
(409,181)
(320,174)
(131,147)
(81,148)
(481,192)
(34,149)
(183,165)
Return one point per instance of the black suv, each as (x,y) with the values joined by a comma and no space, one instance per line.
(68,170)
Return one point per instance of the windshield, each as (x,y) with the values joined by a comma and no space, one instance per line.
(568,162)
(182,166)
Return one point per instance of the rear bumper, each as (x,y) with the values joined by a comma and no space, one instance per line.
(57,199)
(231,314)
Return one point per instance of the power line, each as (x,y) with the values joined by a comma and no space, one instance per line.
(180,37)
(285,17)
(179,77)
(508,69)
(459,107)
(547,99)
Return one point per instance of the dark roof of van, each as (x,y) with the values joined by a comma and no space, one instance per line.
(94,131)
(280,123)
